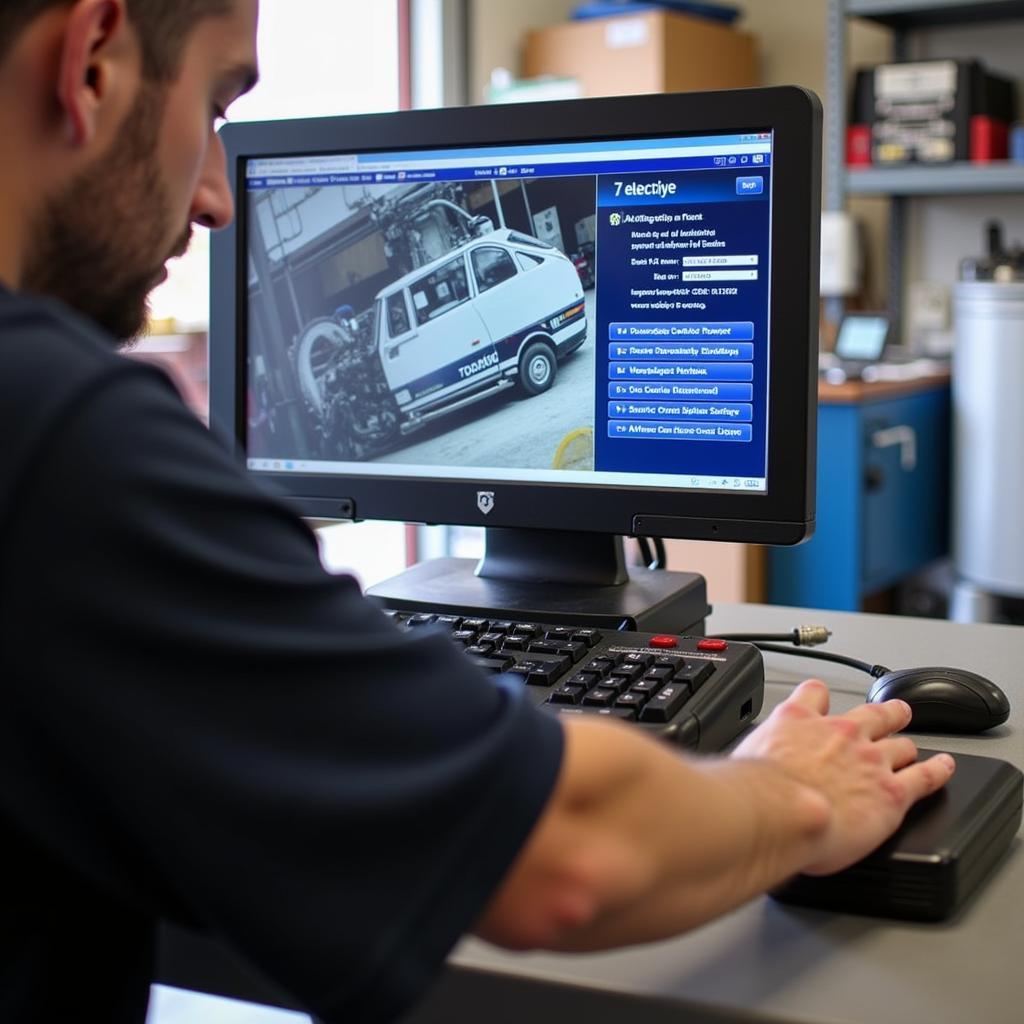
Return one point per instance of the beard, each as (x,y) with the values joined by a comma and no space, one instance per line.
(98,245)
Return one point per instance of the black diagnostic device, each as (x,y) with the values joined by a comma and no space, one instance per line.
(945,848)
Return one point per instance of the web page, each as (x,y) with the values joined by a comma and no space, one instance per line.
(586,312)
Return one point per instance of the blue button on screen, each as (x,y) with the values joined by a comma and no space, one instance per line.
(752,186)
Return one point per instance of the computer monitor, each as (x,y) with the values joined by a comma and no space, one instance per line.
(565,322)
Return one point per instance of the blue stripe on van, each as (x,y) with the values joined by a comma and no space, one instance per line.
(507,348)
(473,368)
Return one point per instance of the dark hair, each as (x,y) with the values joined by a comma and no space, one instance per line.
(163,27)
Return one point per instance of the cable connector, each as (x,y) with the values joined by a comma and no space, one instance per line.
(810,636)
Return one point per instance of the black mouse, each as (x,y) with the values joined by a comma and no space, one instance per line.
(944,699)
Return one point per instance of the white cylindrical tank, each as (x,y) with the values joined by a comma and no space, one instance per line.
(988,436)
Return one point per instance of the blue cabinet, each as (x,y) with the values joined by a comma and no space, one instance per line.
(883,495)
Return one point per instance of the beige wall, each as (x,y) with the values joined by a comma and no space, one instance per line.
(496,29)
(791,33)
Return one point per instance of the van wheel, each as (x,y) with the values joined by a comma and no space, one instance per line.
(537,368)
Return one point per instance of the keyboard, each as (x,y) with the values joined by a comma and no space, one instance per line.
(697,692)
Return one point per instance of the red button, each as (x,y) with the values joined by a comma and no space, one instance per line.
(711,645)
(664,641)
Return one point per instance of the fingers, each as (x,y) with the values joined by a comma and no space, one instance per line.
(811,694)
(881,720)
(926,777)
(898,751)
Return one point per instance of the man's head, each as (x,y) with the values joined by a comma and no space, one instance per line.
(117,144)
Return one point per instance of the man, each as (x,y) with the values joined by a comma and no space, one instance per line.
(201,725)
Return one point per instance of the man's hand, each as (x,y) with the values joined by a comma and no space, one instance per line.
(867,777)
(638,842)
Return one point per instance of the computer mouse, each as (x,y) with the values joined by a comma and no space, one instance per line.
(944,699)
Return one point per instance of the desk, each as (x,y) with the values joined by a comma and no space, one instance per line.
(882,493)
(771,963)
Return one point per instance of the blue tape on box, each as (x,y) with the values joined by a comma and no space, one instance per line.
(699,8)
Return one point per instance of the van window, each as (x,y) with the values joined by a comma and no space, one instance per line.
(492,265)
(440,291)
(528,262)
(398,316)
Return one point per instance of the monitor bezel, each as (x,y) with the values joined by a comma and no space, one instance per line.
(782,514)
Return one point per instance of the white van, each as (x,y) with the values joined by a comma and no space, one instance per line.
(499,310)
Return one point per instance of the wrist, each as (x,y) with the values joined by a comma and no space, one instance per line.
(790,819)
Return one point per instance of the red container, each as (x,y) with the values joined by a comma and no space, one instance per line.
(990,138)
(858,145)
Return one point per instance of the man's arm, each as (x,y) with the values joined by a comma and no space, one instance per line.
(638,843)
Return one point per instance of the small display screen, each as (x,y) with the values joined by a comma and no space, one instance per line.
(579,313)
(862,337)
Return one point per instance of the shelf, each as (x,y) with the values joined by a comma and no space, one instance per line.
(961,178)
(909,14)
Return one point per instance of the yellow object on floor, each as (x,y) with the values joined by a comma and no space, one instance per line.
(576,450)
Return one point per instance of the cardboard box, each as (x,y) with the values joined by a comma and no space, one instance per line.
(651,52)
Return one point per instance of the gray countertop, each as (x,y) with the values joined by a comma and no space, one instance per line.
(769,962)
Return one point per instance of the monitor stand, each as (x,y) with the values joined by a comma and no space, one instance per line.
(553,576)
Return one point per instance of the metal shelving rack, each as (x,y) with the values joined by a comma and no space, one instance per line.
(899,183)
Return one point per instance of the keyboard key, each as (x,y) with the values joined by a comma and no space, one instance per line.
(558,633)
(602,666)
(629,672)
(501,626)
(526,629)
(514,643)
(695,674)
(584,679)
(464,636)
(660,674)
(666,703)
(451,621)
(480,650)
(574,650)
(590,637)
(497,664)
(602,697)
(646,687)
(477,625)
(664,641)
(421,620)
(630,700)
(620,684)
(492,638)
(668,661)
(567,694)
(541,671)
(570,650)
(636,658)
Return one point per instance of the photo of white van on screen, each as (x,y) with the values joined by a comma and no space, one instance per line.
(439,323)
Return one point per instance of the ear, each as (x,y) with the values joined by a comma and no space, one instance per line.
(93,64)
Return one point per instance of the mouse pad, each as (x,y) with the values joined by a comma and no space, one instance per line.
(942,852)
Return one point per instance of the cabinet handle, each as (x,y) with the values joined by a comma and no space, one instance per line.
(903,435)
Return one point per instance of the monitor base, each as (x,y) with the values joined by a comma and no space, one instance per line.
(652,601)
